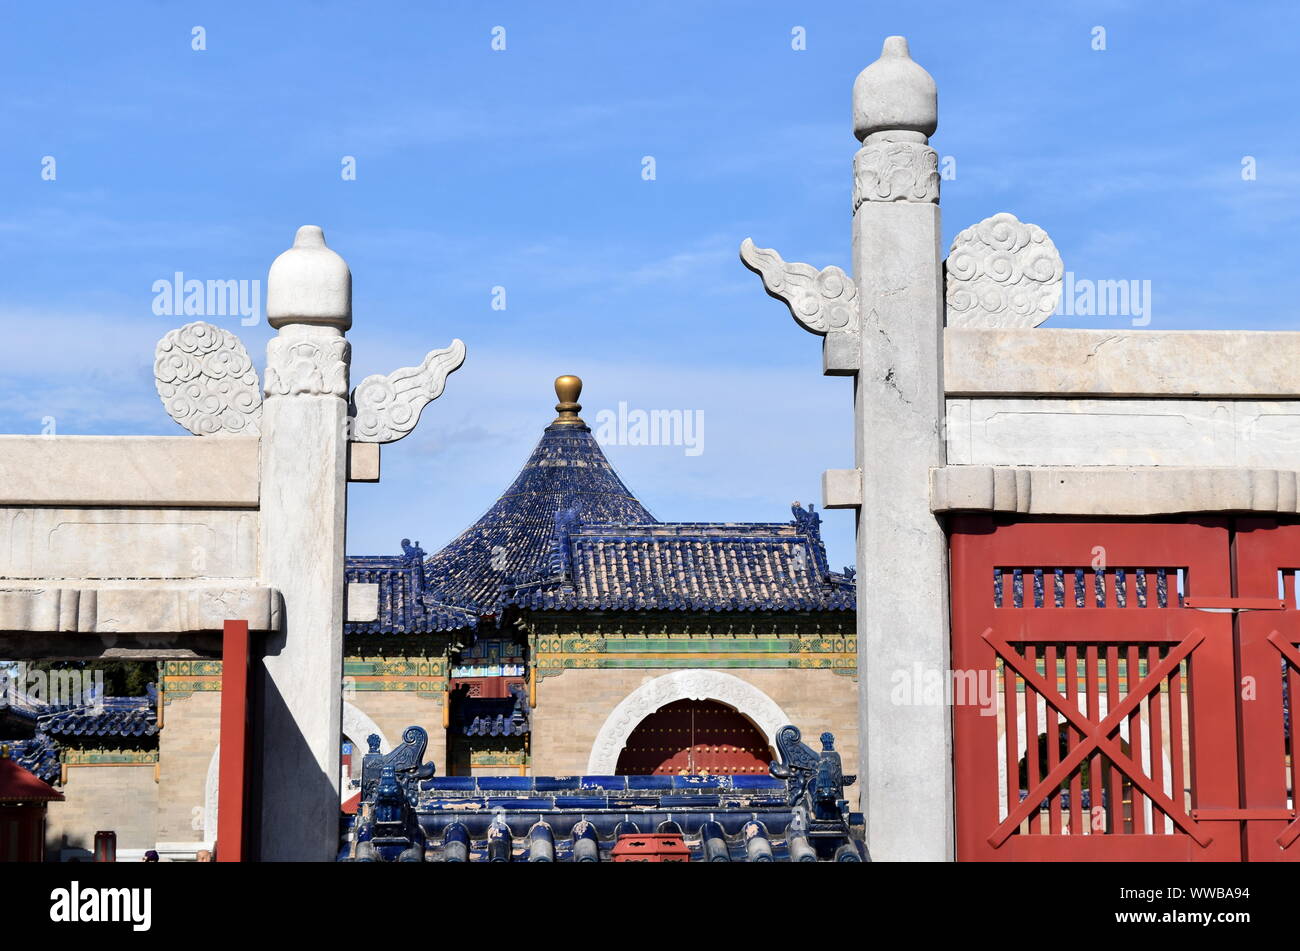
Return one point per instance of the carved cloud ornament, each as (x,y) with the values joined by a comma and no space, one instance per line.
(823,302)
(308,365)
(1002,272)
(895,171)
(207,382)
(386,408)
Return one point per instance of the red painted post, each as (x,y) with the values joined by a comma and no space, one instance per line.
(232,800)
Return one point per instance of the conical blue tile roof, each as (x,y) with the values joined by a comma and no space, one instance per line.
(513,542)
(568,535)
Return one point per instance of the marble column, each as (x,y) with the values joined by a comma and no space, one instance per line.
(303,519)
(906,771)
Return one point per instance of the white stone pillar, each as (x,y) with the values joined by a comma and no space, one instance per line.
(303,519)
(906,761)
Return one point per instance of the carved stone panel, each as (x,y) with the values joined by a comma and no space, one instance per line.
(895,171)
(1002,272)
(206,381)
(386,408)
(307,366)
(823,302)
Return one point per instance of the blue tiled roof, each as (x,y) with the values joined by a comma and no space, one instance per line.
(566,476)
(568,535)
(108,716)
(113,716)
(404,606)
(39,756)
(690,567)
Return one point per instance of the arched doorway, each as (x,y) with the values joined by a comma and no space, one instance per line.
(695,737)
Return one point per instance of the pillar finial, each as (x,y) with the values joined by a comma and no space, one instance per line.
(309,284)
(567,390)
(894,94)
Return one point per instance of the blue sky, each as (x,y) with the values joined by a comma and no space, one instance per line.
(522,169)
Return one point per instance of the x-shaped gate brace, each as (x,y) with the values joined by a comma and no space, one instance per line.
(1096,738)
(1288,650)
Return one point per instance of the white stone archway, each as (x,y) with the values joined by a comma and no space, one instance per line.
(681,685)
(357,727)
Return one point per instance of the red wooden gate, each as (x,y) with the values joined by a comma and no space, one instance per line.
(1267,556)
(695,737)
(1114,729)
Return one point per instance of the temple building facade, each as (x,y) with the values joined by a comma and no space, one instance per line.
(567,632)
(570,631)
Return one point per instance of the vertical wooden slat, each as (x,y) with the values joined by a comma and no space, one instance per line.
(1291,677)
(1176,737)
(1135,740)
(1293,684)
(1157,740)
(1031,735)
(1114,778)
(1012,736)
(1094,714)
(1053,744)
(1071,694)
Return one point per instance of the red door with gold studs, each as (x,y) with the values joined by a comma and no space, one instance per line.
(695,737)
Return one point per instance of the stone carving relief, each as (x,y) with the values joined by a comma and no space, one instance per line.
(1002,272)
(386,408)
(206,381)
(895,171)
(823,302)
(680,685)
(311,365)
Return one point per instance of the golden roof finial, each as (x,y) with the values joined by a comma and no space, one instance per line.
(567,390)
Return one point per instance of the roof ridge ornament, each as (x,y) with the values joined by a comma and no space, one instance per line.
(567,390)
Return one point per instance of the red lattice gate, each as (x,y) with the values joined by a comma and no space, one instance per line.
(1120,693)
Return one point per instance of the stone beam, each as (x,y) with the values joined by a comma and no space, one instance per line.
(25,645)
(1067,362)
(153,610)
(168,471)
(1113,490)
